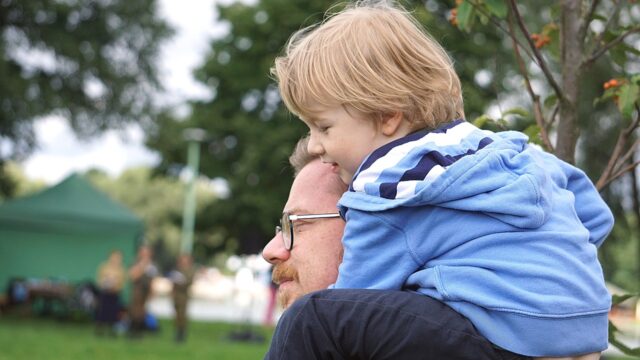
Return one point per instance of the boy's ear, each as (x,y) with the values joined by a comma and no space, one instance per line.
(392,123)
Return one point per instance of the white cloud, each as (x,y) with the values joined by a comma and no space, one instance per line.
(61,153)
(194,22)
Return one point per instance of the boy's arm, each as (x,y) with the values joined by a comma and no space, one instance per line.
(376,255)
(590,208)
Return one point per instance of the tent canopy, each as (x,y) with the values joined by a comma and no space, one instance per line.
(64,232)
(73,205)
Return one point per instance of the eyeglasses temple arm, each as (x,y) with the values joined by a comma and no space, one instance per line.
(313,216)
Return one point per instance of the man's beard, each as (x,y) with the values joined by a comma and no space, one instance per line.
(282,272)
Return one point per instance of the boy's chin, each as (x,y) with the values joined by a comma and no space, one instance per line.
(346,178)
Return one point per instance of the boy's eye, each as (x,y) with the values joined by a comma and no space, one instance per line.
(324,129)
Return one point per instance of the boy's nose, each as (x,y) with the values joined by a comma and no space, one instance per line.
(314,147)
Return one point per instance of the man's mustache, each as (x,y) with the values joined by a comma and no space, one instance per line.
(282,273)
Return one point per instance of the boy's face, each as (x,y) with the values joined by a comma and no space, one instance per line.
(343,139)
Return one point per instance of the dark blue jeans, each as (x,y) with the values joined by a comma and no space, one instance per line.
(376,324)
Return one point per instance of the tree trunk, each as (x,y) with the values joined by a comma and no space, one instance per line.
(636,211)
(571,48)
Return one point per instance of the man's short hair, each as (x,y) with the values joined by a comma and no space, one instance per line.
(373,57)
(301,155)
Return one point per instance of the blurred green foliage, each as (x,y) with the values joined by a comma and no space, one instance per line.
(90,62)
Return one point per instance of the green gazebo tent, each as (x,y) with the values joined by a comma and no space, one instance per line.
(64,233)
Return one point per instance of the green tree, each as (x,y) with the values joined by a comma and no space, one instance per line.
(91,62)
(23,185)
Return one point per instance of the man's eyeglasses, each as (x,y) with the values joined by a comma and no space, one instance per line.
(286,225)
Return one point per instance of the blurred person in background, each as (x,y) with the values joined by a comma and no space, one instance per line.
(182,278)
(110,280)
(272,300)
(141,274)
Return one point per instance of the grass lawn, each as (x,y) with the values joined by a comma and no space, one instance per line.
(33,339)
(37,338)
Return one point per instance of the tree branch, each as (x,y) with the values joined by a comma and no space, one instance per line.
(536,53)
(537,110)
(586,20)
(592,10)
(636,198)
(618,174)
(552,119)
(599,37)
(600,51)
(624,135)
(497,23)
(627,155)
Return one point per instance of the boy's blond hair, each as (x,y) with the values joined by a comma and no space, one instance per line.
(374,58)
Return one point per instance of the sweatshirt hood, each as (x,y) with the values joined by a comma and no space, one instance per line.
(457,166)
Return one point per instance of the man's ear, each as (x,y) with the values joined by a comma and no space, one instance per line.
(392,123)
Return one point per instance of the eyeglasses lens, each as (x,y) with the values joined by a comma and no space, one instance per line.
(287,234)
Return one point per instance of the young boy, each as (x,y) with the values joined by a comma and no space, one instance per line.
(502,232)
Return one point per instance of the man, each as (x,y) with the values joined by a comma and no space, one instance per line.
(141,273)
(110,280)
(350,323)
(314,265)
(182,278)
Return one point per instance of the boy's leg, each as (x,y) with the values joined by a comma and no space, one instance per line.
(376,324)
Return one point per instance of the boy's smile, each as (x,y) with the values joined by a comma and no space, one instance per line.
(342,139)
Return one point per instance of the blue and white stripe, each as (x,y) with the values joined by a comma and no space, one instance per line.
(398,170)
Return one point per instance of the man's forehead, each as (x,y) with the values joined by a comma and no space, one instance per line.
(313,190)
(309,205)
(296,210)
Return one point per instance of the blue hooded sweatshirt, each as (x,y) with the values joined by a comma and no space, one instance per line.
(502,232)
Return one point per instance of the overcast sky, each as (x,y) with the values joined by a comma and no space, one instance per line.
(60,153)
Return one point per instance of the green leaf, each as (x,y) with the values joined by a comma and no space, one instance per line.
(516,111)
(627,98)
(481,120)
(618,55)
(552,30)
(550,101)
(613,340)
(621,346)
(608,95)
(464,15)
(612,329)
(629,49)
(617,299)
(497,8)
(533,132)
(484,20)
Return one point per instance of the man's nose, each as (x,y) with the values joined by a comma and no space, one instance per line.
(275,252)
(314,147)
